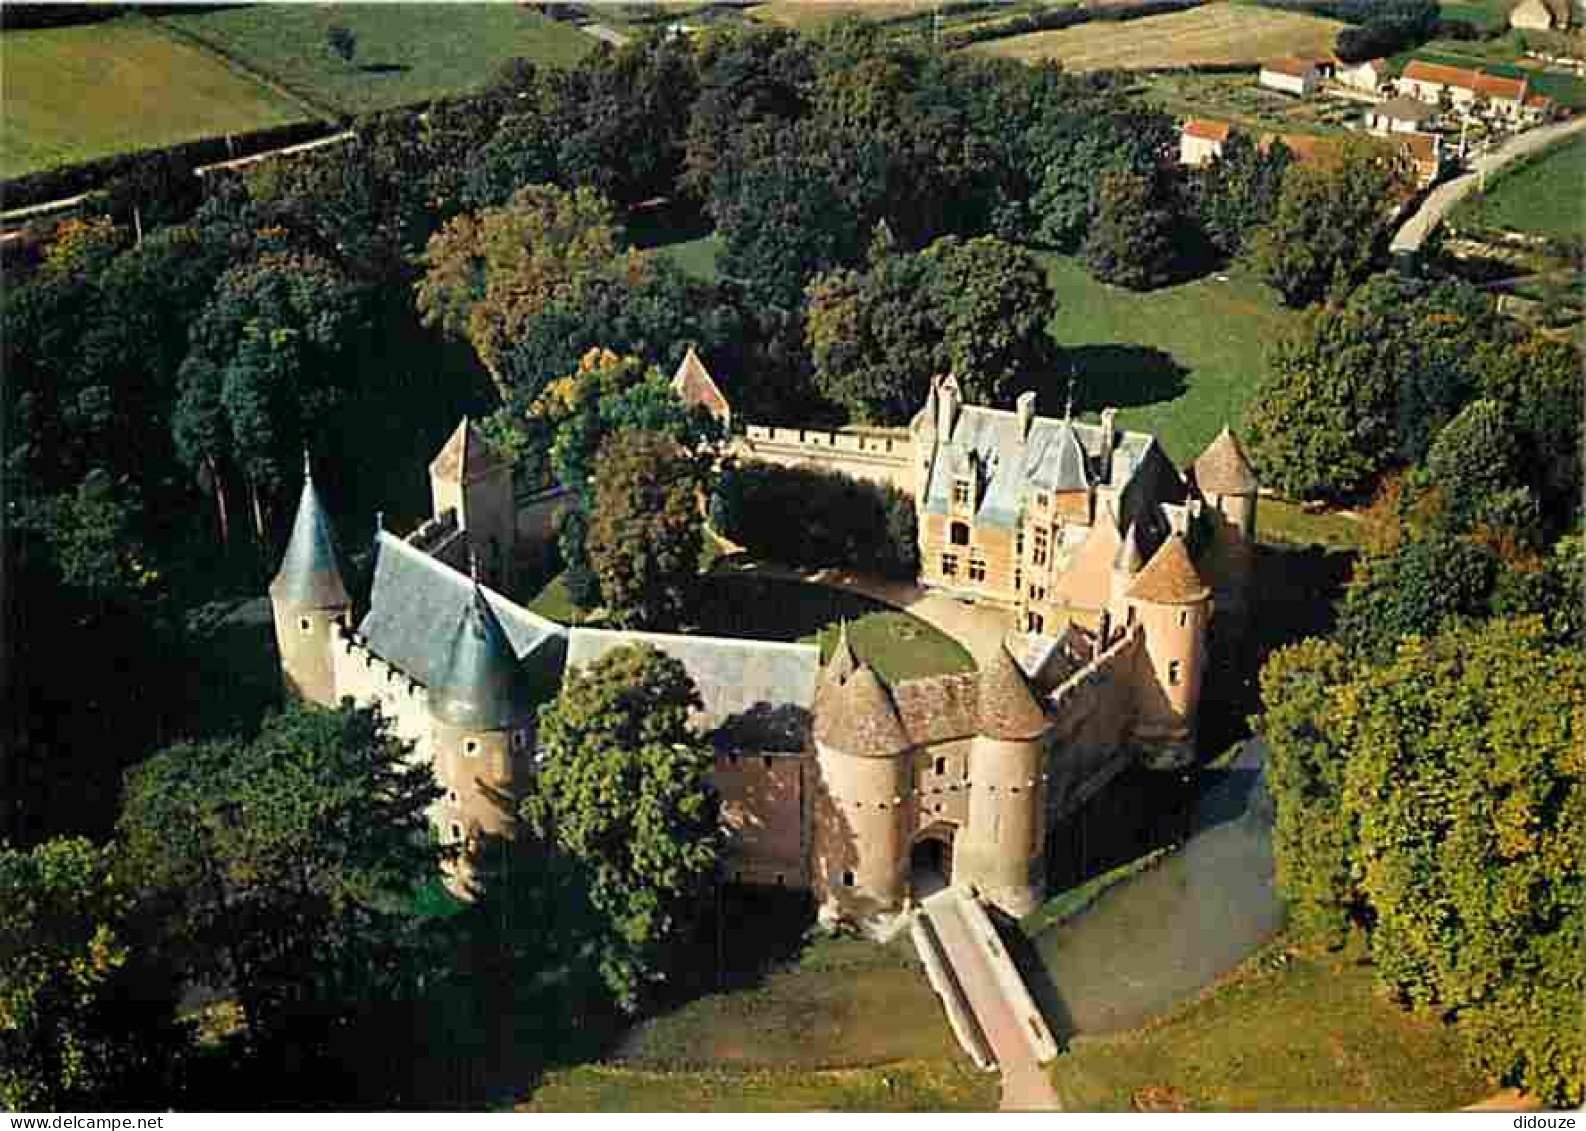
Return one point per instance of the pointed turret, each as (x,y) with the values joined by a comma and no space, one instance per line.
(1007,709)
(310,576)
(1170,577)
(842,663)
(859,719)
(1223,469)
(466,457)
(696,388)
(473,480)
(480,684)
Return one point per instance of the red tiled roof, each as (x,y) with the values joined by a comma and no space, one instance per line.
(1289,65)
(1497,86)
(1007,710)
(1539,102)
(1207,130)
(1223,469)
(1422,147)
(1170,578)
(1420,71)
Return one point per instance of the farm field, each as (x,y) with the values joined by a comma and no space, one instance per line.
(78,93)
(405,53)
(1214,33)
(807,15)
(1541,196)
(1181,361)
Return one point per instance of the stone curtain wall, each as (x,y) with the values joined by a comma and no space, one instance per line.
(1094,711)
(763,815)
(873,457)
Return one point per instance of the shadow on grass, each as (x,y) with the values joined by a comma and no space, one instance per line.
(384,68)
(1122,376)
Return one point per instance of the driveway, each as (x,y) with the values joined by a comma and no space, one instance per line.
(1441,200)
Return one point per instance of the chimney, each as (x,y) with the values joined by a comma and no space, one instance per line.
(1026,407)
(947,395)
(1109,439)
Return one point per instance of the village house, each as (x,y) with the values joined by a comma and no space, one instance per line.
(1291,75)
(1541,15)
(1367,76)
(1401,115)
(1465,89)
(1201,140)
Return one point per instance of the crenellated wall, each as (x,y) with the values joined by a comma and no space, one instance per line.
(367,679)
(1093,712)
(876,457)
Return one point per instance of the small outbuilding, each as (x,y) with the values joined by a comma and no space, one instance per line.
(1291,75)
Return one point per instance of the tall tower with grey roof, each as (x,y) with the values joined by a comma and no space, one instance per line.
(471,479)
(309,600)
(481,711)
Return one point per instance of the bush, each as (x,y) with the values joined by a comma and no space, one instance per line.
(810,518)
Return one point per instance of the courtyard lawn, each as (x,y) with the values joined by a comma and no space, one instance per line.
(905,1086)
(1213,33)
(1285,1032)
(1539,195)
(406,53)
(1181,361)
(74,94)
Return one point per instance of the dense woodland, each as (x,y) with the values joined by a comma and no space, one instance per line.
(878,205)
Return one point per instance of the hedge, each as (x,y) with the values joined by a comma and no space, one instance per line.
(1056,18)
(817,519)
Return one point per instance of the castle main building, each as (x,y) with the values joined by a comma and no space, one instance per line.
(830,780)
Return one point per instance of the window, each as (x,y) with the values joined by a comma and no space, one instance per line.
(1038,554)
(1037,592)
(456,833)
(949,565)
(1173,672)
(1034,622)
(1018,541)
(305,625)
(1183,618)
(941,766)
(471,746)
(1130,618)
(1018,579)
(1042,499)
(780,879)
(962,493)
(451,797)
(977,568)
(520,741)
(958,533)
(848,879)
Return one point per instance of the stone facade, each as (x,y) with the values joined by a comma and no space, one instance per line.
(830,780)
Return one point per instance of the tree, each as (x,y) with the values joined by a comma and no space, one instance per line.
(1475,459)
(1415,590)
(488,274)
(284,866)
(1131,240)
(1073,148)
(342,41)
(1330,220)
(646,531)
(623,790)
(977,308)
(1466,774)
(83,1024)
(1236,193)
(1320,425)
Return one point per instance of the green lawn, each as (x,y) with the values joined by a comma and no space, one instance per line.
(907,1086)
(1180,362)
(1541,194)
(1279,522)
(73,94)
(1285,1033)
(899,646)
(1486,14)
(405,52)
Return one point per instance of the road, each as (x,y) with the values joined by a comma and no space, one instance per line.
(1441,200)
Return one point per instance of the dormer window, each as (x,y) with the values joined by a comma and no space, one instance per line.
(963,493)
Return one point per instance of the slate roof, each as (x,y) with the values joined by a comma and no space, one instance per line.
(480,684)
(309,576)
(938,708)
(467,456)
(1007,708)
(1058,455)
(1045,660)
(1170,578)
(859,719)
(416,603)
(757,694)
(1223,468)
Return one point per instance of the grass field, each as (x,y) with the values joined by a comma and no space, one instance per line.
(1180,362)
(1284,1033)
(1486,14)
(936,1086)
(1240,99)
(406,52)
(1541,195)
(1288,524)
(76,93)
(1214,33)
(808,15)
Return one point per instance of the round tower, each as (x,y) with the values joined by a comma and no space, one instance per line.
(1002,848)
(480,718)
(309,601)
(1173,606)
(859,865)
(1228,484)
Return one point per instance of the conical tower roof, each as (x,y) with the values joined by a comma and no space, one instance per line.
(1222,468)
(1170,577)
(1129,556)
(842,663)
(1007,708)
(480,684)
(467,456)
(694,385)
(859,718)
(310,576)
